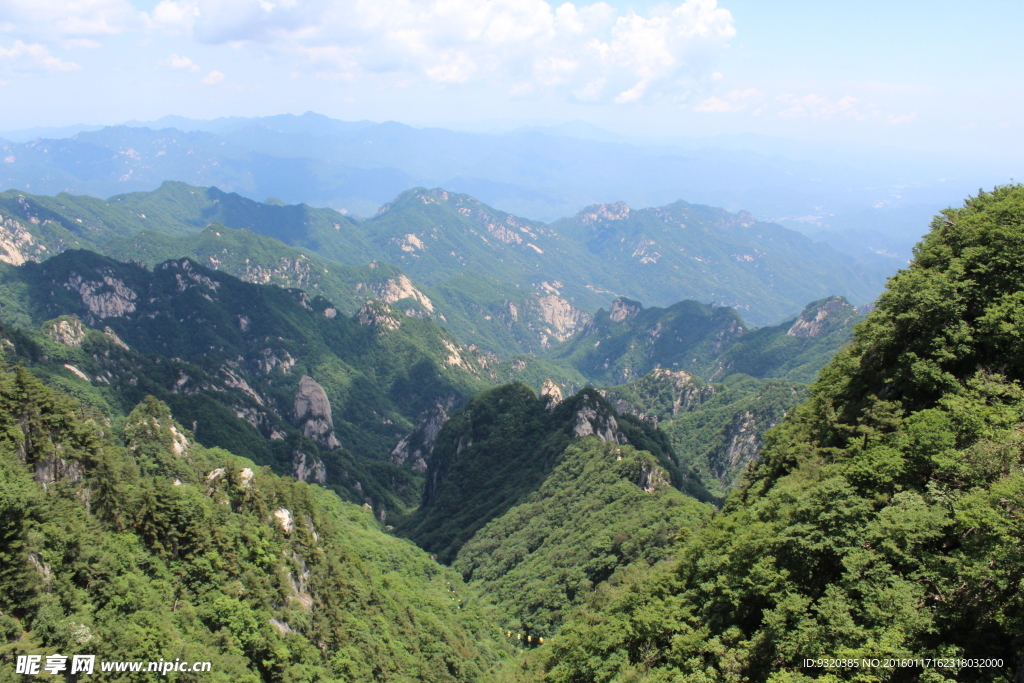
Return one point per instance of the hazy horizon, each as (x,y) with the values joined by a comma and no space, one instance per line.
(919,76)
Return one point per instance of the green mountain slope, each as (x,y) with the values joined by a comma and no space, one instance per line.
(258,364)
(715,429)
(495,316)
(885,519)
(435,234)
(604,509)
(178,220)
(100,370)
(762,269)
(628,341)
(260,259)
(797,349)
(500,447)
(712,342)
(177,208)
(162,549)
(687,251)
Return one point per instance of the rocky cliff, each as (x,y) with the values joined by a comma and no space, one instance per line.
(313,413)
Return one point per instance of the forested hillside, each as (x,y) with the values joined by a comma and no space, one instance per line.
(712,342)
(217,344)
(161,549)
(551,275)
(500,448)
(270,373)
(605,510)
(716,429)
(884,520)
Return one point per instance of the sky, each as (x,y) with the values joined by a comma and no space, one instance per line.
(936,75)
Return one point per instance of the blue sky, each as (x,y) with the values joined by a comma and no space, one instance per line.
(922,75)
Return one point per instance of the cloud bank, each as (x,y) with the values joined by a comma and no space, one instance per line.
(587,52)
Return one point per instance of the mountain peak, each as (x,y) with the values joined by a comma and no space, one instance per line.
(623,308)
(615,211)
(812,321)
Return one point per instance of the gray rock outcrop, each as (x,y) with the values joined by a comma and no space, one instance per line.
(417,446)
(552,392)
(313,413)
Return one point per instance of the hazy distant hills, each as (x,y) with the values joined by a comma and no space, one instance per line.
(530,300)
(490,269)
(539,173)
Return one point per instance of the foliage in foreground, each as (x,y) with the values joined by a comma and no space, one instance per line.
(161,548)
(887,517)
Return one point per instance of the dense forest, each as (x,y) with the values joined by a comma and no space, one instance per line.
(204,467)
(885,518)
(140,545)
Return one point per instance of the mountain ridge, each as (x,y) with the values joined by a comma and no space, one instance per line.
(758,275)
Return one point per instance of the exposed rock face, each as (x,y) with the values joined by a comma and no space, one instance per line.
(189,277)
(70,332)
(401,287)
(685,391)
(306,468)
(313,413)
(17,244)
(270,360)
(623,308)
(77,372)
(454,356)
(179,442)
(374,314)
(418,445)
(114,339)
(284,518)
(744,445)
(552,392)
(563,320)
(608,212)
(811,322)
(592,418)
(110,298)
(299,579)
(726,336)
(232,380)
(651,478)
(54,469)
(291,272)
(644,251)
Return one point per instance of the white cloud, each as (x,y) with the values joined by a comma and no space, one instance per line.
(590,52)
(32,57)
(174,16)
(68,18)
(213,78)
(178,63)
(735,100)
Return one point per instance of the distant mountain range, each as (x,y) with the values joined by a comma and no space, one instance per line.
(346,372)
(532,301)
(500,281)
(154,395)
(226,425)
(872,211)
